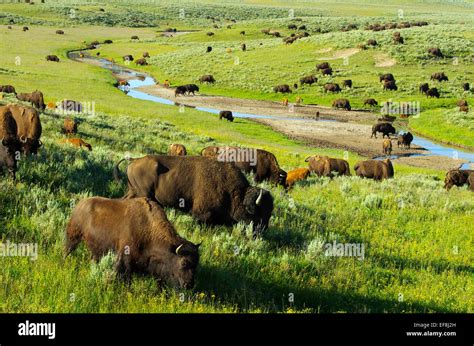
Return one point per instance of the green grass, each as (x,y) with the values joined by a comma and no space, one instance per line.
(419,252)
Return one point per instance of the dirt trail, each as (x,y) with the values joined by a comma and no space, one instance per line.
(339,54)
(350,132)
(383,60)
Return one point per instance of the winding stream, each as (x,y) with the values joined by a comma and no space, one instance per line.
(137,80)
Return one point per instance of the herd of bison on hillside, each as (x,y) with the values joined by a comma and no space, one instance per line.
(214,191)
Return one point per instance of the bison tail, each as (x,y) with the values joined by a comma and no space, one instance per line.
(117,171)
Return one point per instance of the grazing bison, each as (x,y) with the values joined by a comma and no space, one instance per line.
(389,85)
(372,42)
(292,27)
(465,86)
(70,126)
(146,55)
(141,62)
(208,49)
(226,115)
(134,37)
(439,76)
(464,109)
(326,71)
(242,32)
(308,80)
(177,150)
(35,98)
(397,39)
(59,32)
(25,28)
(385,128)
(370,102)
(424,88)
(77,142)
(108,41)
(127,57)
(322,66)
(283,88)
(433,92)
(71,106)
(387,147)
(296,175)
(387,77)
(180,90)
(374,169)
(347,83)
(7,89)
(243,46)
(404,140)
(341,103)
(325,166)
(458,177)
(213,192)
(210,33)
(52,58)
(436,52)
(9,143)
(140,234)
(332,87)
(462,103)
(207,78)
(28,128)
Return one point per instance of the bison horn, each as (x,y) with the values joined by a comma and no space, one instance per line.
(259,198)
(40,143)
(23,139)
(178,248)
(307,159)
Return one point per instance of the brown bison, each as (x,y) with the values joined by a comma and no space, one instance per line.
(465,86)
(208,78)
(385,128)
(386,77)
(325,166)
(389,85)
(462,103)
(141,62)
(347,83)
(341,103)
(226,115)
(28,127)
(177,150)
(211,191)
(464,109)
(332,87)
(323,66)
(404,140)
(436,52)
(7,89)
(326,71)
(210,33)
(387,147)
(296,175)
(370,102)
(262,163)
(283,88)
(134,37)
(127,57)
(146,55)
(424,88)
(372,42)
(25,28)
(9,144)
(439,76)
(243,46)
(77,142)
(433,92)
(59,32)
(35,98)
(308,80)
(374,169)
(140,234)
(70,126)
(458,177)
(52,58)
(208,49)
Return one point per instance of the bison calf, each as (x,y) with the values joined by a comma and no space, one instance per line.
(296,175)
(77,142)
(138,231)
(177,150)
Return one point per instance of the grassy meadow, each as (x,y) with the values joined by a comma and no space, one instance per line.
(419,250)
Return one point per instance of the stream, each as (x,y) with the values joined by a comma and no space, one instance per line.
(138,79)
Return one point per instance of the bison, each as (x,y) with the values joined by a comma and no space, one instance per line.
(77,142)
(387,147)
(326,71)
(462,103)
(59,32)
(389,85)
(141,62)
(191,88)
(385,128)
(9,143)
(332,87)
(296,175)
(35,98)
(208,78)
(370,102)
(439,76)
(177,150)
(52,58)
(433,92)
(327,166)
(140,234)
(387,77)
(424,88)
(322,66)
(283,88)
(308,80)
(211,191)
(127,57)
(404,140)
(146,55)
(7,89)
(180,90)
(436,52)
(8,158)
(134,37)
(70,126)
(458,177)
(374,169)
(465,87)
(372,42)
(208,49)
(28,128)
(342,103)
(347,83)
(226,115)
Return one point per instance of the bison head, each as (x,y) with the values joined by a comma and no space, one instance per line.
(454,177)
(175,266)
(258,204)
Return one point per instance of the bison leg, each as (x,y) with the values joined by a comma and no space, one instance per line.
(73,238)
(122,267)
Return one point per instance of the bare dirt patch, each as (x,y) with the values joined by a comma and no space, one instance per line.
(343,53)
(383,60)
